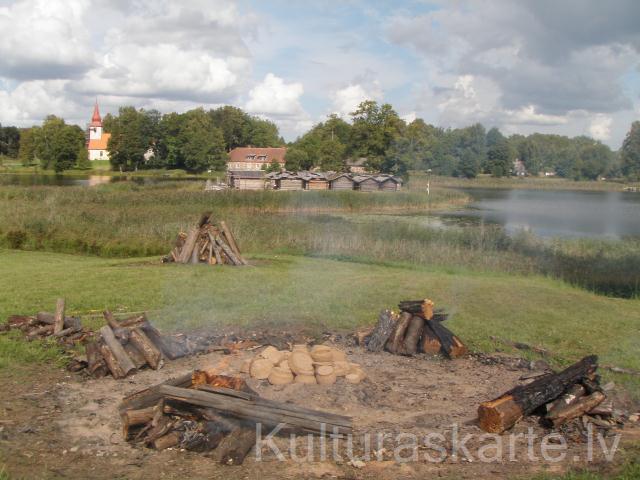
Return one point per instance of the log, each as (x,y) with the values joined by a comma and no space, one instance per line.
(195,255)
(605,409)
(502,413)
(228,252)
(152,355)
(228,234)
(217,253)
(564,413)
(150,396)
(395,343)
(169,440)
(117,351)
(134,321)
(111,321)
(233,448)
(189,245)
(40,331)
(259,410)
(67,331)
(429,342)
(412,337)
(170,348)
(452,346)
(376,341)
(424,308)
(132,418)
(95,361)
(112,363)
(570,396)
(135,355)
(204,219)
(58,321)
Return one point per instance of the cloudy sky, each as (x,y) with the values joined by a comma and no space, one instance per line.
(568,67)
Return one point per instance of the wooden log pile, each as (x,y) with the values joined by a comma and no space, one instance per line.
(416,329)
(206,243)
(66,330)
(573,393)
(204,411)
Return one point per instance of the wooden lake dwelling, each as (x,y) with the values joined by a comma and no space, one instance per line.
(289,181)
(389,183)
(247,180)
(366,183)
(341,181)
(317,181)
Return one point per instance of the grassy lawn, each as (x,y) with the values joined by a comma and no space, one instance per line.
(323,293)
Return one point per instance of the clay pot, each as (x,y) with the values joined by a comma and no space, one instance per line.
(261,368)
(300,347)
(325,375)
(338,355)
(308,379)
(284,364)
(301,363)
(273,354)
(353,378)
(280,376)
(322,353)
(341,368)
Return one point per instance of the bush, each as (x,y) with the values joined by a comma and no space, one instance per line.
(16,238)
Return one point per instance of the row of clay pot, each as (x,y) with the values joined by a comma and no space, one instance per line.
(322,365)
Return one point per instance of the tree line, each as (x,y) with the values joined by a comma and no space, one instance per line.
(199,140)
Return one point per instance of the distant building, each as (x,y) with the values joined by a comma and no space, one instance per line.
(247,179)
(254,158)
(519,170)
(96,138)
(356,165)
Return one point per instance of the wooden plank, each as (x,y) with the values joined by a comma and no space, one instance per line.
(58,322)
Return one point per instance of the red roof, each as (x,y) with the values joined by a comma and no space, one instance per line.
(96,120)
(99,144)
(257,154)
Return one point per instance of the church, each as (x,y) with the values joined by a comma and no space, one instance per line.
(96,138)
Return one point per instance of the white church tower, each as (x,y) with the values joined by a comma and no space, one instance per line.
(97,144)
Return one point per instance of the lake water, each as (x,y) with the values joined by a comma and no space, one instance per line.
(553,213)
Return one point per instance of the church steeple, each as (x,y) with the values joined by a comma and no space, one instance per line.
(96,120)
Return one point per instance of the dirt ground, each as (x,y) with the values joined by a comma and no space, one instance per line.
(56,424)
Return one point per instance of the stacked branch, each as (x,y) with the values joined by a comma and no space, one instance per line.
(67,330)
(203,411)
(417,329)
(206,243)
(559,397)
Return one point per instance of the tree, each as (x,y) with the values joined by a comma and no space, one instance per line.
(468,145)
(26,153)
(56,144)
(630,153)
(262,133)
(595,160)
(469,165)
(133,132)
(202,143)
(9,141)
(499,154)
(274,166)
(82,158)
(296,159)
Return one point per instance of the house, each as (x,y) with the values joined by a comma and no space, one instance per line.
(341,181)
(247,180)
(366,183)
(254,158)
(389,183)
(289,181)
(316,181)
(356,165)
(519,170)
(97,140)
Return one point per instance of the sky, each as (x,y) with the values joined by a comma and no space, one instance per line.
(570,67)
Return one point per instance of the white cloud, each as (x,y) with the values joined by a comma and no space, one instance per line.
(30,102)
(44,39)
(600,127)
(274,97)
(347,99)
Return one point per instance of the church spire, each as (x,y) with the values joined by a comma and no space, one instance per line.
(96,120)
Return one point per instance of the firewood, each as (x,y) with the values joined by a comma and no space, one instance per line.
(170,348)
(112,363)
(395,343)
(67,331)
(414,332)
(217,253)
(228,235)
(605,409)
(134,321)
(376,341)
(111,321)
(204,219)
(96,363)
(40,331)
(135,355)
(150,396)
(58,322)
(16,321)
(169,440)
(582,405)
(429,342)
(502,413)
(189,245)
(570,396)
(117,351)
(452,346)
(233,448)
(152,355)
(424,308)
(228,252)
(131,418)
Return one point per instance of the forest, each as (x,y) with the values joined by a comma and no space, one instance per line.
(198,140)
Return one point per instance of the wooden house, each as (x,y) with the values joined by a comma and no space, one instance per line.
(247,180)
(367,183)
(342,181)
(315,180)
(289,181)
(389,183)
(255,158)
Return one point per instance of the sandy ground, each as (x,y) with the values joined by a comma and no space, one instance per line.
(54,424)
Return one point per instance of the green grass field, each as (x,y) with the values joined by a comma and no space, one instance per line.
(323,293)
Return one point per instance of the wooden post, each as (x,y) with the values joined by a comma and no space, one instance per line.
(58,323)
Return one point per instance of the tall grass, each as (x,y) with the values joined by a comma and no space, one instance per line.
(122,220)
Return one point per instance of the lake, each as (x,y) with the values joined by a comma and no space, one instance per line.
(555,213)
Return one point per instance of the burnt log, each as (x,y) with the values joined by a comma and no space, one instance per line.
(582,405)
(451,345)
(423,308)
(152,355)
(135,355)
(570,396)
(502,413)
(170,347)
(169,440)
(377,339)
(429,342)
(414,332)
(118,353)
(234,448)
(96,365)
(395,343)
(150,396)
